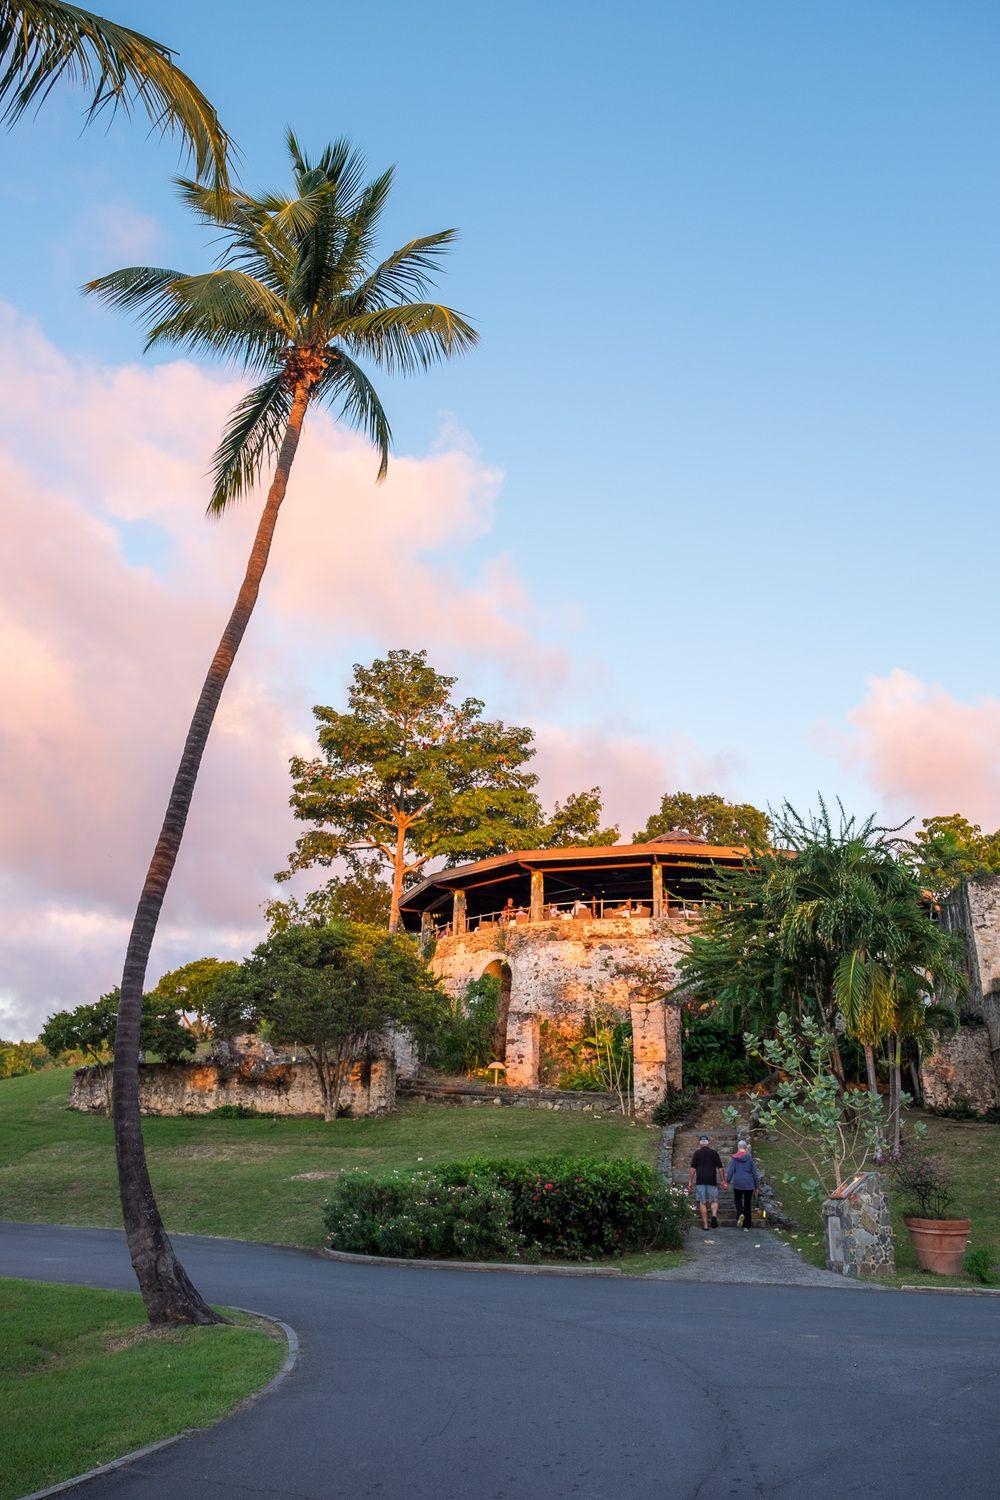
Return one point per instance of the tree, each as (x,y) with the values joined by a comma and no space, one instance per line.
(709,817)
(577,821)
(949,849)
(296,298)
(360,897)
(190,988)
(331,990)
(41,43)
(90,1030)
(408,775)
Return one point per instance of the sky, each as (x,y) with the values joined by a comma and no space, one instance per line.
(712,506)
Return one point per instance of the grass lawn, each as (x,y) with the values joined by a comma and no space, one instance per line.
(971,1150)
(257,1179)
(83,1380)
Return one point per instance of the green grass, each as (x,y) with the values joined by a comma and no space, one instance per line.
(83,1379)
(243,1178)
(972,1152)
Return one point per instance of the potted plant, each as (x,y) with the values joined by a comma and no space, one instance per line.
(924,1184)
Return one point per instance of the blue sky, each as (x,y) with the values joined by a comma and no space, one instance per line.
(734,268)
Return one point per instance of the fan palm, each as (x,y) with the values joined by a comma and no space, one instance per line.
(44,41)
(297,298)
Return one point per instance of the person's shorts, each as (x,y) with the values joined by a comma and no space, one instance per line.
(706,1192)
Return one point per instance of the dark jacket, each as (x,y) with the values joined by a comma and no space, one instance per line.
(743,1172)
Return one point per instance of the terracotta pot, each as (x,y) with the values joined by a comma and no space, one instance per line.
(939,1243)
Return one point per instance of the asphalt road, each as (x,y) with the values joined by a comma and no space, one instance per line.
(447,1384)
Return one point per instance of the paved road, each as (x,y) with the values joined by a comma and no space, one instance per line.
(447,1385)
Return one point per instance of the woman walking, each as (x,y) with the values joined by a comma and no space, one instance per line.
(743,1175)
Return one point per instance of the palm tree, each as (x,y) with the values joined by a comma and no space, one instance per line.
(41,43)
(296,297)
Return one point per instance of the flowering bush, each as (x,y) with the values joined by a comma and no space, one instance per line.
(570,1208)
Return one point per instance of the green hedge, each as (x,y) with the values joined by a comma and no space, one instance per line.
(562,1207)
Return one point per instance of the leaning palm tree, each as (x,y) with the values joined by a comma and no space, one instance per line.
(44,41)
(298,299)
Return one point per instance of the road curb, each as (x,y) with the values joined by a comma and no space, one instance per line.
(952,1291)
(509,1267)
(292,1340)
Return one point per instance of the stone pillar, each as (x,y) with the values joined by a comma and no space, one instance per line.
(458,912)
(522,1051)
(537,911)
(859,1229)
(426,931)
(657,889)
(656,1053)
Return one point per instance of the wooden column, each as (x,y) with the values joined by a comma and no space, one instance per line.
(657,889)
(426,931)
(458,912)
(537,912)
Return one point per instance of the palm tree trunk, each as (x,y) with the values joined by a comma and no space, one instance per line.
(870,1069)
(168,1293)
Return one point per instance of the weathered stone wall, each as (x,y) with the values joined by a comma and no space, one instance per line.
(960,1070)
(974,911)
(439,1091)
(859,1229)
(284,1089)
(559,969)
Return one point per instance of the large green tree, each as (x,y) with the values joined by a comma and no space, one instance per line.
(190,988)
(298,298)
(44,42)
(332,990)
(949,849)
(358,897)
(90,1030)
(708,816)
(577,821)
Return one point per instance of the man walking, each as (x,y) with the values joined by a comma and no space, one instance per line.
(705,1176)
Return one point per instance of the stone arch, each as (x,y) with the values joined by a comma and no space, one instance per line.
(498,967)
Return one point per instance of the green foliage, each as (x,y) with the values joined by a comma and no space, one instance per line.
(570,1208)
(90,1029)
(231,1112)
(331,990)
(835,1133)
(949,849)
(191,988)
(714,1053)
(574,823)
(358,897)
(464,1040)
(43,41)
(17,1058)
(979,1265)
(297,298)
(676,1105)
(708,816)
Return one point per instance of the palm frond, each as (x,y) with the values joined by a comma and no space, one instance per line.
(404,275)
(408,338)
(254,432)
(44,41)
(345,384)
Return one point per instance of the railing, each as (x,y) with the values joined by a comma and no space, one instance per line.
(597,909)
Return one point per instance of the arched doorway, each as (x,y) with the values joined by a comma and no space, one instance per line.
(499,969)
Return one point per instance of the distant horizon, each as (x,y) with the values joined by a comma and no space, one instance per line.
(711,507)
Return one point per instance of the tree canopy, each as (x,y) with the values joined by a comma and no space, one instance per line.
(708,816)
(90,1029)
(359,897)
(408,774)
(190,988)
(949,849)
(332,990)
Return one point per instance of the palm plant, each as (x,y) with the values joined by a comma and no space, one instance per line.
(44,41)
(297,298)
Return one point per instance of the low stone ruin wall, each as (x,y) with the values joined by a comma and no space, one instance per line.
(960,1071)
(285,1089)
(859,1229)
(440,1091)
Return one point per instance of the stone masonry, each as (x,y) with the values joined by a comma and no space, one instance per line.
(859,1229)
(557,970)
(966,1067)
(287,1088)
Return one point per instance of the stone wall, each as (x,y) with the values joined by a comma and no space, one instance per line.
(285,1089)
(960,1070)
(974,911)
(559,969)
(442,1091)
(859,1229)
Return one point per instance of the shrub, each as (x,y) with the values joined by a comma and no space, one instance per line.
(464,1038)
(924,1184)
(979,1265)
(232,1112)
(676,1104)
(573,1208)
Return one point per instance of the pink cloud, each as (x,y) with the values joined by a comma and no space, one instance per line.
(925,751)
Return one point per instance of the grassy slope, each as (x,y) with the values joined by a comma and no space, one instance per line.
(237,1177)
(58,1355)
(972,1151)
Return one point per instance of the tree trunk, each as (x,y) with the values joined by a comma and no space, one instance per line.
(897,1092)
(168,1293)
(398,867)
(870,1069)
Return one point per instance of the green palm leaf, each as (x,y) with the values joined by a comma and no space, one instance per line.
(253,433)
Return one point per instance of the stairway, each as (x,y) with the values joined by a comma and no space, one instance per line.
(709,1121)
